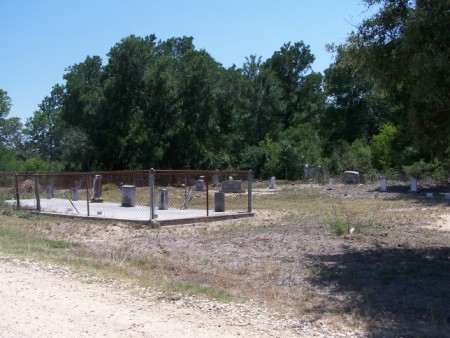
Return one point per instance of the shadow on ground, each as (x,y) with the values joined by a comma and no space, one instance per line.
(407,290)
(400,192)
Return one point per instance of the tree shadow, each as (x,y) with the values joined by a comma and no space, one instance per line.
(407,290)
(402,192)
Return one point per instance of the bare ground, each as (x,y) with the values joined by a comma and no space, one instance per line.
(388,277)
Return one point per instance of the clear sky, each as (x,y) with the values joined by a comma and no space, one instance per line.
(39,39)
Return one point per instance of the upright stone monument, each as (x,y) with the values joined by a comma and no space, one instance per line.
(413,185)
(128,195)
(351,177)
(219,201)
(383,185)
(232,186)
(330,184)
(200,184)
(75,196)
(163,199)
(49,191)
(96,196)
(272,185)
(307,172)
(320,174)
(215,180)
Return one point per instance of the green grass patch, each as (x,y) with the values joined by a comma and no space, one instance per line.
(338,226)
(191,288)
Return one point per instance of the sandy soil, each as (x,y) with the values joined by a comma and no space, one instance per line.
(39,303)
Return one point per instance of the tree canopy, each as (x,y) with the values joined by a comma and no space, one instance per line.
(383,104)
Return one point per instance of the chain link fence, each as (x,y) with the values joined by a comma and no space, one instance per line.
(167,196)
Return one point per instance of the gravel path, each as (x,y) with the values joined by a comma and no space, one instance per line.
(46,301)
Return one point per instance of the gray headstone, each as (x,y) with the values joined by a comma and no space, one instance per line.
(163,199)
(49,192)
(429,195)
(307,172)
(320,174)
(272,183)
(447,196)
(219,202)
(97,190)
(215,180)
(75,194)
(330,184)
(200,184)
(351,177)
(413,185)
(128,195)
(383,185)
(232,186)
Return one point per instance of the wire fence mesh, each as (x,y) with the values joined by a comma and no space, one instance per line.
(131,195)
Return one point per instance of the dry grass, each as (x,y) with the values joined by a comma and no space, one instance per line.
(394,265)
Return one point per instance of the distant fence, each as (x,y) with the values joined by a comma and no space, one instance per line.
(140,195)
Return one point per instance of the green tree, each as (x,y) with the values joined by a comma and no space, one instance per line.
(356,105)
(10,128)
(45,130)
(405,47)
(291,65)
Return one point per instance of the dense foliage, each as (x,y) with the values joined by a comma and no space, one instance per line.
(382,106)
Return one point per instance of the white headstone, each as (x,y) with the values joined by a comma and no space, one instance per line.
(413,185)
(330,184)
(307,172)
(383,185)
(272,183)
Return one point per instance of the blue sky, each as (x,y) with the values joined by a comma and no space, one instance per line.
(39,39)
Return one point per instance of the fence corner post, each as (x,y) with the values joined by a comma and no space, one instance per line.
(36,191)
(250,181)
(152,193)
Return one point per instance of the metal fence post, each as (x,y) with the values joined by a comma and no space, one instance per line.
(16,185)
(152,193)
(250,180)
(36,191)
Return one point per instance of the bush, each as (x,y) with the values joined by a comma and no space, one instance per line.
(419,169)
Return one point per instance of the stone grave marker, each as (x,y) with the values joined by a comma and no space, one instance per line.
(215,180)
(307,172)
(383,185)
(163,199)
(49,191)
(413,185)
(330,184)
(200,184)
(232,186)
(75,196)
(97,190)
(128,195)
(219,201)
(320,174)
(351,177)
(272,183)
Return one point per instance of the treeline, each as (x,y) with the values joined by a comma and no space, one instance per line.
(381,107)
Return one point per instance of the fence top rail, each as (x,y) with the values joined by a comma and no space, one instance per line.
(124,172)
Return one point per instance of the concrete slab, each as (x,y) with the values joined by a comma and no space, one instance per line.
(114,211)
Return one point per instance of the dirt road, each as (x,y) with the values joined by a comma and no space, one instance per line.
(39,303)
